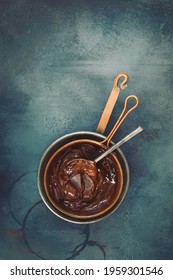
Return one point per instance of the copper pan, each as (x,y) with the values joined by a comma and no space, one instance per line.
(68,140)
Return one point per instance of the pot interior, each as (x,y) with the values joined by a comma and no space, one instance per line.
(45,165)
(95,195)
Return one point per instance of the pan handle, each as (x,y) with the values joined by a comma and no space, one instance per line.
(112,99)
(121,118)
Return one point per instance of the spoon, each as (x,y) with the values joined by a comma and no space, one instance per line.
(121,142)
(76,179)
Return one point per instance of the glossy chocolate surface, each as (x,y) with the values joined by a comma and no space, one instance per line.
(79,186)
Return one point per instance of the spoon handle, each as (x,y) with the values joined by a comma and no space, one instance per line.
(121,142)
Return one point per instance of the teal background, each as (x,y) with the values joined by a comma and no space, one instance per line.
(58,61)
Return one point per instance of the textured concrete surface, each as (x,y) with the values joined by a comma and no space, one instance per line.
(58,62)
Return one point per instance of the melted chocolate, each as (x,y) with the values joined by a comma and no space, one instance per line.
(79,186)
